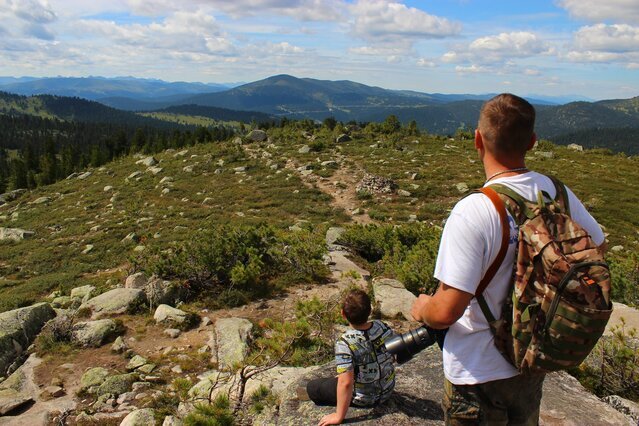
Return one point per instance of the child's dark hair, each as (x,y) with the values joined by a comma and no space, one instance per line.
(356,307)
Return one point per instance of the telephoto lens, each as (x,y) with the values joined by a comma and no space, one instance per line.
(406,346)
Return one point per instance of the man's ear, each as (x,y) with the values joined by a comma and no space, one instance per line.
(533,140)
(479,141)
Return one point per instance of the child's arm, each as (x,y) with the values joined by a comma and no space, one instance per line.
(345,384)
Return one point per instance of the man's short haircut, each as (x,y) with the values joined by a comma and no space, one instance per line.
(506,124)
(356,307)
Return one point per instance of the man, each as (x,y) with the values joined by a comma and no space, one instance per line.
(481,386)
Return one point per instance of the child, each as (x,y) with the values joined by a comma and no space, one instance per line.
(365,370)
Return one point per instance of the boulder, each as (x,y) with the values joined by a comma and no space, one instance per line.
(63,302)
(211,385)
(119,345)
(18,328)
(136,362)
(232,335)
(165,314)
(462,187)
(15,234)
(545,154)
(143,417)
(403,193)
(624,406)
(342,138)
(11,399)
(11,195)
(392,298)
(93,378)
(333,234)
(304,150)
(575,147)
(256,136)
(154,170)
(95,333)
(148,161)
(41,200)
(118,384)
(373,184)
(83,176)
(172,421)
(115,302)
(83,293)
(159,291)
(137,280)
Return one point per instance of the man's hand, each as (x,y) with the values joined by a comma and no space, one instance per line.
(419,306)
(331,419)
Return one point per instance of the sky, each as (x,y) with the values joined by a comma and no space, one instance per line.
(549,47)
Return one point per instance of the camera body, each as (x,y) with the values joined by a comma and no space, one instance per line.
(406,346)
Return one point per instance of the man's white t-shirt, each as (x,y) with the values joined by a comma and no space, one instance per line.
(469,244)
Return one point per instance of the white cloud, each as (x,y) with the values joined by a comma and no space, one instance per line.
(611,38)
(607,10)
(38,12)
(303,10)
(499,50)
(383,21)
(426,62)
(472,69)
(532,72)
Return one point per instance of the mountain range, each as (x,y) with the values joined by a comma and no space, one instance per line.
(287,96)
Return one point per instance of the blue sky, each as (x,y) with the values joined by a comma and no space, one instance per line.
(554,47)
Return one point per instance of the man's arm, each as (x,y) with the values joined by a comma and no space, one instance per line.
(442,309)
(345,385)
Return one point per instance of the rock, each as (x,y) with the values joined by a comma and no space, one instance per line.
(132,237)
(62,302)
(115,302)
(575,147)
(148,161)
(624,406)
(133,175)
(392,298)
(11,195)
(172,421)
(333,234)
(108,188)
(621,312)
(93,378)
(240,169)
(41,200)
(188,169)
(342,138)
(95,333)
(166,179)
(165,191)
(212,384)
(462,187)
(232,335)
(118,384)
(617,249)
(136,362)
(165,314)
(376,184)
(277,380)
(329,164)
(18,329)
(84,175)
(83,293)
(545,154)
(205,321)
(137,280)
(173,333)
(181,153)
(87,249)
(54,391)
(143,417)
(403,193)
(139,249)
(159,291)
(119,345)
(11,399)
(256,136)
(15,234)
(304,150)
(154,170)
(146,368)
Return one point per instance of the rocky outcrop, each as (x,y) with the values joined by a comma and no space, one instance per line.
(11,196)
(392,298)
(15,234)
(157,290)
(95,333)
(92,379)
(143,417)
(256,136)
(232,335)
(376,185)
(148,162)
(18,328)
(167,315)
(117,384)
(115,302)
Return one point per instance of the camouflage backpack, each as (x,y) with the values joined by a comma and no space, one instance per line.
(560,296)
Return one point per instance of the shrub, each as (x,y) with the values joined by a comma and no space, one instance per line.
(218,413)
(625,278)
(240,262)
(406,252)
(261,398)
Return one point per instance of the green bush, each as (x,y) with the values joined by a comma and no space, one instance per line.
(218,413)
(625,278)
(237,263)
(262,398)
(407,252)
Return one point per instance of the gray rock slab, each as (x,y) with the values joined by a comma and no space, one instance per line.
(392,298)
(15,234)
(18,328)
(143,417)
(165,314)
(94,333)
(620,311)
(115,302)
(232,335)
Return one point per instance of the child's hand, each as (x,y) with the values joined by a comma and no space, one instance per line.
(331,419)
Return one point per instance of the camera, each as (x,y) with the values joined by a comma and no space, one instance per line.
(406,346)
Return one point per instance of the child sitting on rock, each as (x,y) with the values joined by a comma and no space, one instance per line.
(365,370)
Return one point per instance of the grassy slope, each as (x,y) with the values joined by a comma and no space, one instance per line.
(31,269)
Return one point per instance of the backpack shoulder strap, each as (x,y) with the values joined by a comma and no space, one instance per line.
(505,234)
(562,194)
